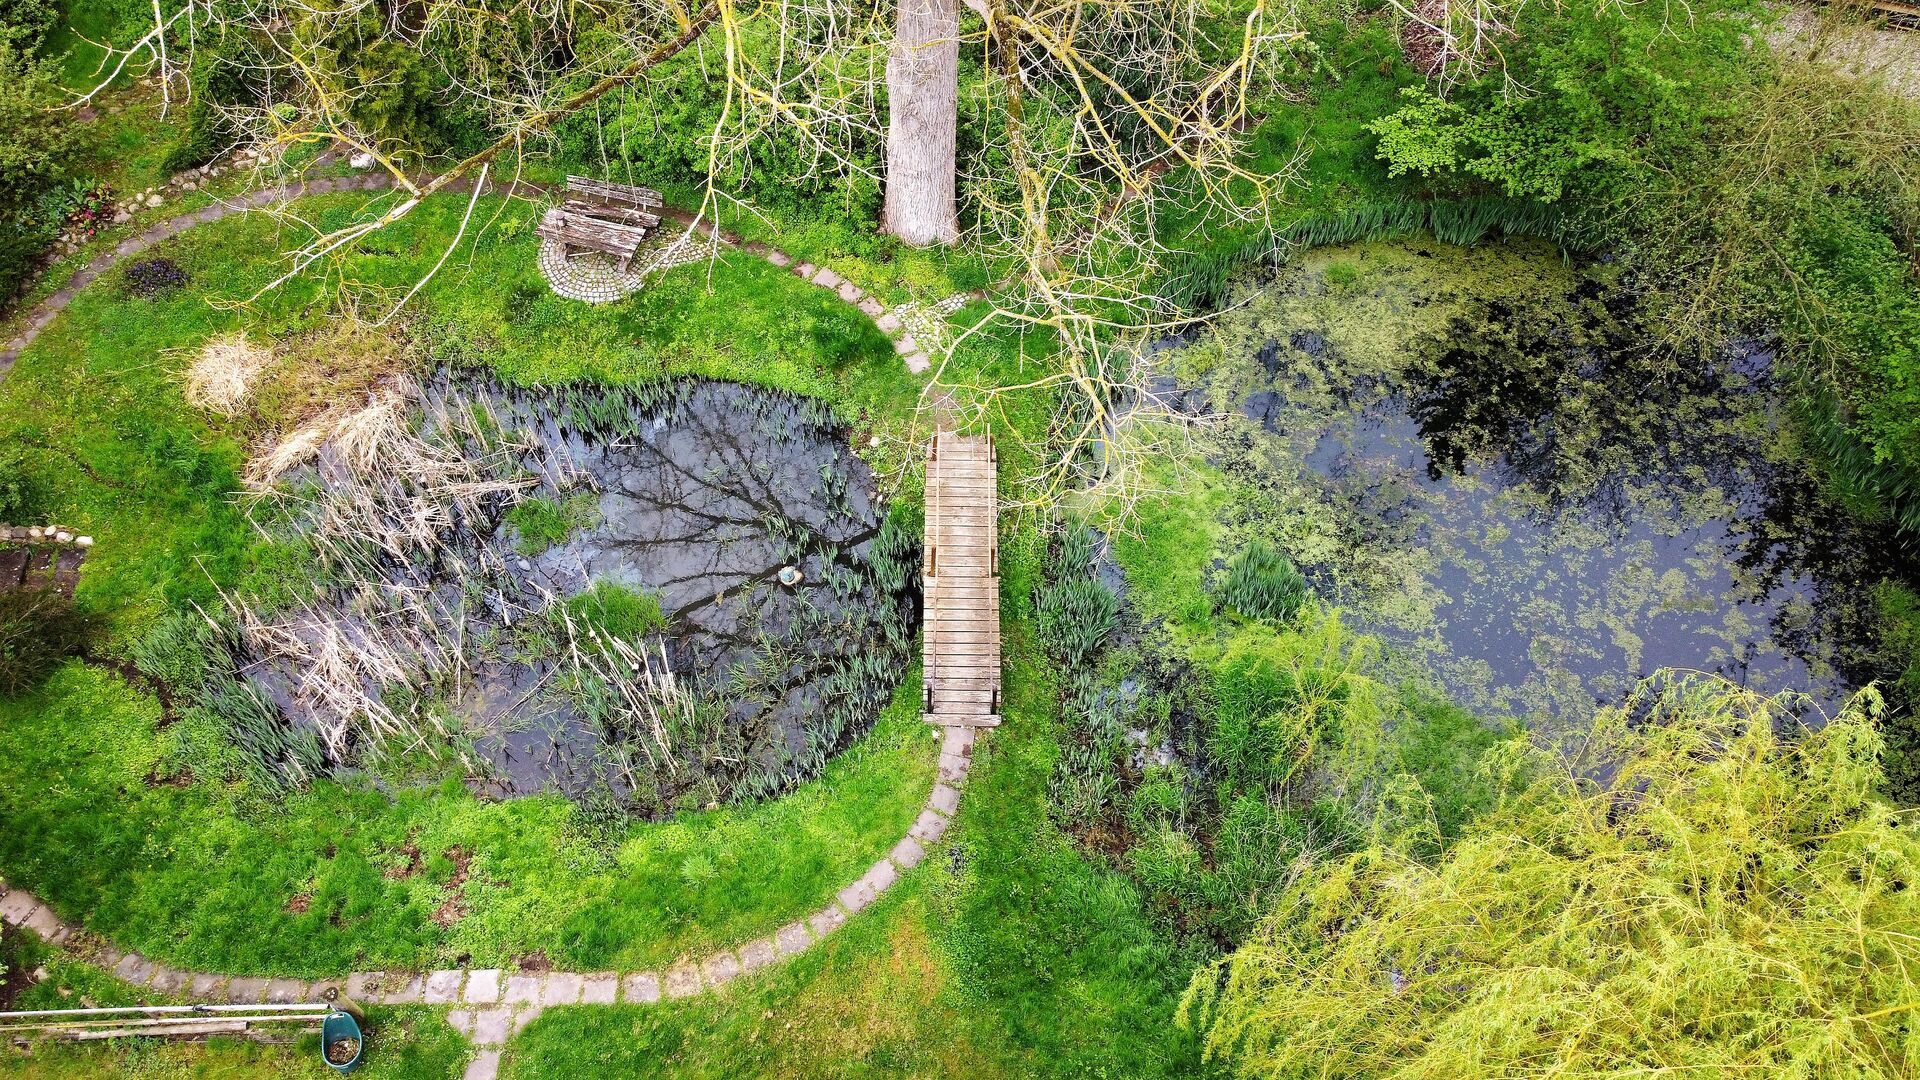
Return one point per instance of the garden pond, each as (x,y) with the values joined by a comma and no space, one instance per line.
(1487,457)
(666,596)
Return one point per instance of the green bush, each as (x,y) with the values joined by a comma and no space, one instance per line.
(39,629)
(1261,583)
(39,150)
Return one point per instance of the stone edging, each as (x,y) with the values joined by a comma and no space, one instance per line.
(491,1004)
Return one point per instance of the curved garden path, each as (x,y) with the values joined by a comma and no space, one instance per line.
(490,1004)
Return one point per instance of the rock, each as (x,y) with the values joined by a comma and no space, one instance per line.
(121,217)
(188,186)
(153,200)
(362,160)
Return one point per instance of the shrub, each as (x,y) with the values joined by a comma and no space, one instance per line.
(24,23)
(1261,583)
(39,149)
(1714,856)
(39,628)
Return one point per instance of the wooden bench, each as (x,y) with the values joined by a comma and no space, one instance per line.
(592,192)
(579,231)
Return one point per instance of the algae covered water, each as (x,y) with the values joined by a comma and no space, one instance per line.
(1490,459)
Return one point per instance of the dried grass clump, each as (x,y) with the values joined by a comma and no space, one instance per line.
(223,373)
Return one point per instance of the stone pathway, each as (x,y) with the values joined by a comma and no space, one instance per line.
(488,1005)
(584,283)
(44,312)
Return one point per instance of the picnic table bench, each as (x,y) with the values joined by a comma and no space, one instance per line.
(579,231)
(600,216)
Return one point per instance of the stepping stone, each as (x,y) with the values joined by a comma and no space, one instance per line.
(944,799)
(401,990)
(918,363)
(41,920)
(484,1066)
(827,279)
(17,905)
(246,991)
(524,1017)
(851,293)
(683,981)
(888,323)
(483,986)
(522,990)
(561,989)
(442,987)
(872,308)
(826,920)
(779,258)
(205,987)
(792,939)
(135,969)
(720,968)
(757,954)
(168,981)
(958,741)
(643,988)
(928,828)
(953,770)
(805,270)
(324,990)
(491,1026)
(906,346)
(462,1022)
(286,992)
(599,989)
(907,853)
(863,892)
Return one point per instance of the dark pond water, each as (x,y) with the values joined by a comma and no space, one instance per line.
(696,496)
(1485,458)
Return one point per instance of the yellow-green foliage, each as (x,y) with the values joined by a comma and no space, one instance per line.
(1729,904)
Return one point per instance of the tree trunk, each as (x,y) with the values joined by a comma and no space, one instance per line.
(923,93)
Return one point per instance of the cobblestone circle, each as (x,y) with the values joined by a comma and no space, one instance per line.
(489,1004)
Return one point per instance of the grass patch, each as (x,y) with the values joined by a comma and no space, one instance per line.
(544,523)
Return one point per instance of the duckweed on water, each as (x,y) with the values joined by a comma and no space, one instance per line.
(1490,458)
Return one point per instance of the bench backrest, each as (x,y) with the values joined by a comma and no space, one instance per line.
(614,194)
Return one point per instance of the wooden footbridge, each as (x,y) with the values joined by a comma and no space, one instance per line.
(961,582)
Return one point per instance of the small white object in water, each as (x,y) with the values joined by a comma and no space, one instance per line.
(790,576)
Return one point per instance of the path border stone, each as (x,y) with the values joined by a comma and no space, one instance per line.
(489,1005)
